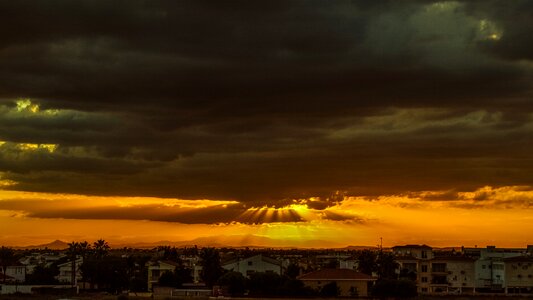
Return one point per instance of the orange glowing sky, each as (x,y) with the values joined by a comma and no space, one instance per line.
(500,219)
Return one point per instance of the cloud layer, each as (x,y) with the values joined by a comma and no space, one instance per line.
(264,102)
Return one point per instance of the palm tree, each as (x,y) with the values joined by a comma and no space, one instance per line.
(74,249)
(7,257)
(84,247)
(101,248)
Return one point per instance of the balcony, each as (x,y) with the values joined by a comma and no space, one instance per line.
(439,280)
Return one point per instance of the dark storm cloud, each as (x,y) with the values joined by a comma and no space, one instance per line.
(152,212)
(517,20)
(265,101)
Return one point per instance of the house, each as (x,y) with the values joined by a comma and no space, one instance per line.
(65,272)
(14,273)
(156,269)
(350,283)
(253,264)
(40,259)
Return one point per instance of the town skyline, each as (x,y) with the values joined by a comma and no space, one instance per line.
(279,122)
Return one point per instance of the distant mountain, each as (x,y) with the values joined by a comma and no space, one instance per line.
(55,245)
(252,241)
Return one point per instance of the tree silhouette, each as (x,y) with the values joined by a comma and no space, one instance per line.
(84,249)
(387,266)
(330,290)
(367,262)
(293,270)
(73,251)
(235,283)
(101,248)
(7,258)
(211,269)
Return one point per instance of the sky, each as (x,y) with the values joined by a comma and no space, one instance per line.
(280,123)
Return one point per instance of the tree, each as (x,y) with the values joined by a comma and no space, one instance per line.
(264,284)
(101,248)
(387,266)
(167,279)
(177,278)
(234,281)
(408,274)
(43,275)
(7,258)
(330,290)
(367,262)
(211,269)
(387,288)
(293,270)
(109,272)
(84,249)
(73,251)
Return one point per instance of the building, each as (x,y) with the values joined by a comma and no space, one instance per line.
(415,261)
(416,251)
(350,283)
(519,275)
(461,274)
(253,264)
(15,273)
(490,268)
(65,272)
(156,269)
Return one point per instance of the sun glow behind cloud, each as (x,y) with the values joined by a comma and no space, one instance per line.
(434,217)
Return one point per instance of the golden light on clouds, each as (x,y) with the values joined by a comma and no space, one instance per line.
(26,105)
(413,218)
(489,30)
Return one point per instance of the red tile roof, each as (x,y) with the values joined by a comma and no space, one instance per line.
(335,274)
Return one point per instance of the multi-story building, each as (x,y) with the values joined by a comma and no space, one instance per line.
(519,275)
(470,271)
(415,262)
(490,268)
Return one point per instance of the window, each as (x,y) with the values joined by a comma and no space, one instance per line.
(424,290)
(424,268)
(424,279)
(454,278)
(424,254)
(250,263)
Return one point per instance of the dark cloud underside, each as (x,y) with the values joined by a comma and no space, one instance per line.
(265,101)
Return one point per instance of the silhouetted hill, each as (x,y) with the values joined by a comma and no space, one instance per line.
(55,245)
(252,241)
